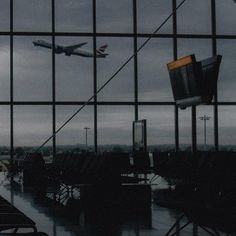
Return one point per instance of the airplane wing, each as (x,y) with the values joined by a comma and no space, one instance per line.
(73,47)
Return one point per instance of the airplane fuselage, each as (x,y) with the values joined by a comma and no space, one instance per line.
(58,49)
(84,53)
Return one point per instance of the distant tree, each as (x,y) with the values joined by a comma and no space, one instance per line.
(19,151)
(77,149)
(117,149)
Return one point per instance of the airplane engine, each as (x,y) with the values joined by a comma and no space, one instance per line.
(58,50)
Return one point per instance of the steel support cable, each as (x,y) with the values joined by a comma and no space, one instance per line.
(112,77)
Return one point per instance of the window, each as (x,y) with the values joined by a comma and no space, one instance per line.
(74,74)
(73,16)
(5,129)
(114,16)
(160,127)
(226,82)
(32,15)
(115,127)
(194,17)
(5,15)
(32,70)
(122,86)
(158,11)
(28,72)
(225,17)
(4,68)
(227,127)
(73,135)
(205,128)
(202,48)
(185,129)
(153,78)
(32,126)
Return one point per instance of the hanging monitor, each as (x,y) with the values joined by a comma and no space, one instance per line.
(210,71)
(193,82)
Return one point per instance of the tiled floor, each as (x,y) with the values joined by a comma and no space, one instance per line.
(56,222)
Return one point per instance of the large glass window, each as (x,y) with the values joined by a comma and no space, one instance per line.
(160,127)
(73,135)
(4,15)
(32,70)
(4,68)
(227,84)
(27,71)
(115,127)
(32,126)
(225,17)
(74,73)
(202,48)
(114,16)
(194,17)
(205,128)
(185,129)
(122,86)
(73,16)
(227,127)
(5,129)
(150,15)
(153,77)
(32,15)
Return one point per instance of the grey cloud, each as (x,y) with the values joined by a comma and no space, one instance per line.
(154,83)
(151,13)
(32,15)
(121,88)
(74,132)
(5,125)
(194,17)
(225,12)
(4,15)
(227,135)
(73,15)
(32,71)
(29,121)
(106,136)
(114,16)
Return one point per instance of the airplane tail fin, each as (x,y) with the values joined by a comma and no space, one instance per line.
(101,50)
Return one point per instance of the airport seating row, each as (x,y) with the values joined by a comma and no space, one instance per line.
(90,167)
(83,168)
(207,192)
(192,165)
(78,168)
(12,218)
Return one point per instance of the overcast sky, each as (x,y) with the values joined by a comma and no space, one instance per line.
(74,75)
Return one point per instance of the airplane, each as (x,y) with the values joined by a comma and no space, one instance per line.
(73,49)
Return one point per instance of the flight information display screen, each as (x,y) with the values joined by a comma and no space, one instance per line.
(193,82)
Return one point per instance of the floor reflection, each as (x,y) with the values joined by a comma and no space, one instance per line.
(57,221)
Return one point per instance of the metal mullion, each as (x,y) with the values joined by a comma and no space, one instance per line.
(15,103)
(11,86)
(53,81)
(194,129)
(95,73)
(214,52)
(129,35)
(175,55)
(135,48)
